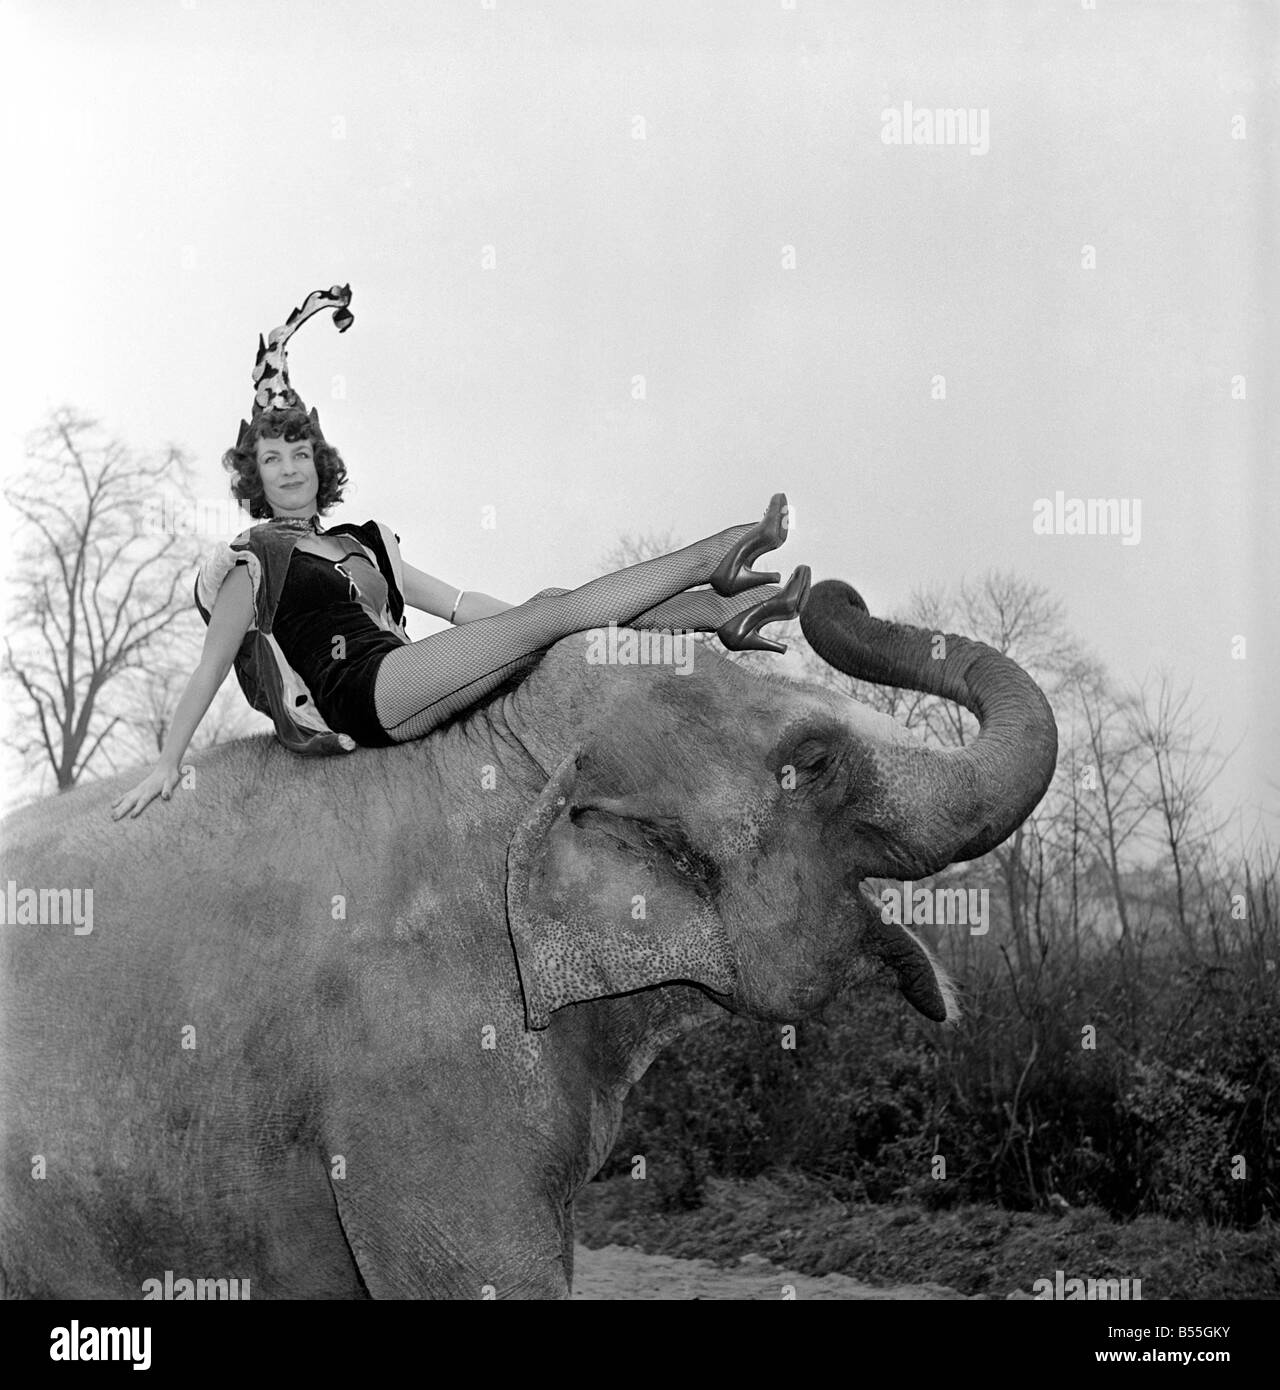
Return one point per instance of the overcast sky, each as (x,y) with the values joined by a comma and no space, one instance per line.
(700,195)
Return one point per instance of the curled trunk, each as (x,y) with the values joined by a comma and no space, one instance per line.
(925,808)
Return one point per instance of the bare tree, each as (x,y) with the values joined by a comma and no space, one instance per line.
(145,726)
(98,583)
(1183,767)
(631,550)
(1114,807)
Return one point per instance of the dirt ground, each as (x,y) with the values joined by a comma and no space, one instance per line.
(619,1272)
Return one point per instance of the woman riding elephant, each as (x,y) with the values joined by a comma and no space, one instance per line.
(311,618)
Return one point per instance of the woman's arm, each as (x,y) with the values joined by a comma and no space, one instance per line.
(228,623)
(434,596)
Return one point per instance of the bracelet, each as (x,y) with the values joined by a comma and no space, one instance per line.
(456,602)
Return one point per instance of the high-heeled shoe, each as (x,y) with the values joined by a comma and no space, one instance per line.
(739,633)
(734,574)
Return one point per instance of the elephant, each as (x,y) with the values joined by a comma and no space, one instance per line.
(362,1027)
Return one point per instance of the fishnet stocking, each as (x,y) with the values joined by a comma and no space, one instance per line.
(422,684)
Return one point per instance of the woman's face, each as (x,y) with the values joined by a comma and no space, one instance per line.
(288,473)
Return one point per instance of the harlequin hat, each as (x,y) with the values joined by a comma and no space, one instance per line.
(271,369)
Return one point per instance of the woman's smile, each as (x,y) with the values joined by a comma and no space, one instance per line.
(288,473)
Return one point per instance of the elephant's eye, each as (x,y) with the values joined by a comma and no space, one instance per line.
(816,762)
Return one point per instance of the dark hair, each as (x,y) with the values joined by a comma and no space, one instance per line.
(290,425)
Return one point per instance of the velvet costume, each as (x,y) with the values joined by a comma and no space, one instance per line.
(319,699)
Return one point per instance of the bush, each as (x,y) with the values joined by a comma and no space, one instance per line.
(868,1097)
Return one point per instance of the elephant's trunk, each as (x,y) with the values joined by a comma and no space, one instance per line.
(925,808)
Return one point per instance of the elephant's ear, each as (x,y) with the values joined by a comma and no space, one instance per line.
(604,899)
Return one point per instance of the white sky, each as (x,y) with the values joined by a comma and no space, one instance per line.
(183,172)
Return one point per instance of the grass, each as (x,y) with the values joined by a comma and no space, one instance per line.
(798,1222)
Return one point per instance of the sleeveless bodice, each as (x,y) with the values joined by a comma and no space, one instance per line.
(334,627)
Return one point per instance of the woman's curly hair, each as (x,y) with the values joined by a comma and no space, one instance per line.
(290,425)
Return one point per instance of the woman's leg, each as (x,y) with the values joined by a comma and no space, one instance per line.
(702,610)
(422,684)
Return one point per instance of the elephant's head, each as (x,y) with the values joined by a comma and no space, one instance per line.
(715,828)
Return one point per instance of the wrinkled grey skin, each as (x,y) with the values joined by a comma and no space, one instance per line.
(392,964)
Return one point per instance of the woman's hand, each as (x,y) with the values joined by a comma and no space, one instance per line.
(160,782)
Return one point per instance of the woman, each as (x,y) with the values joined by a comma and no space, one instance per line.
(312,618)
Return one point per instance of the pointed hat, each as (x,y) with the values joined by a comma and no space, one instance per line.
(271,369)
